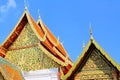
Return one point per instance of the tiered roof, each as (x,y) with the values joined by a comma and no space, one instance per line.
(48,43)
(9,71)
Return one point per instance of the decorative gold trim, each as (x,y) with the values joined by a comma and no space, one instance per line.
(43,27)
(24,47)
(62,74)
(40,21)
(65,58)
(16,33)
(51,56)
(55,44)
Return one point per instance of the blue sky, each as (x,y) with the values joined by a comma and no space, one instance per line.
(70,20)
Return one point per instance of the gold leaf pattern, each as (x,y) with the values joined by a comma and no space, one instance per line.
(95,67)
(31,58)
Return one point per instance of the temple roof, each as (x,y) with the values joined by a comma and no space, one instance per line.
(52,47)
(9,71)
(56,44)
(83,55)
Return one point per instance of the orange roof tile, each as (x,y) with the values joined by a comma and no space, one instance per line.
(55,41)
(38,29)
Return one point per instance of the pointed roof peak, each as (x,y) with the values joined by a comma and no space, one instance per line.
(91,34)
(25,5)
(39,17)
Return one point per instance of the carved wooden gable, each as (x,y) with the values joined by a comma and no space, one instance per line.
(93,64)
(25,52)
(96,67)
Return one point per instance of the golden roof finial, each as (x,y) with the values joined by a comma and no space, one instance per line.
(39,14)
(91,36)
(25,5)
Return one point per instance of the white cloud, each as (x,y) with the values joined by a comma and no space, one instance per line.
(6,7)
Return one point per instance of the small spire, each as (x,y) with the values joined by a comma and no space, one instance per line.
(91,36)
(83,45)
(39,14)
(25,5)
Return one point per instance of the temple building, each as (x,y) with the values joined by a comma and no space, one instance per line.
(94,64)
(31,46)
(32,52)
